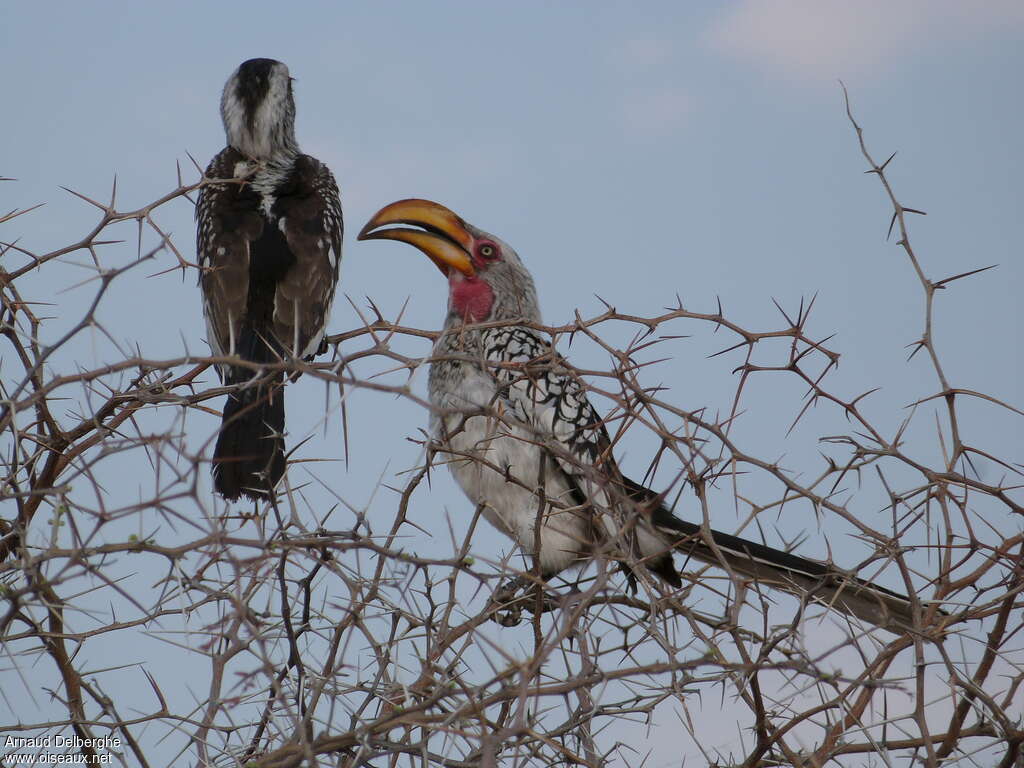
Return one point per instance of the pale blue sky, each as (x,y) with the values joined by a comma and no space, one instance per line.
(626,151)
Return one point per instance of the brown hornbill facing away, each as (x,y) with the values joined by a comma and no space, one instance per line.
(518,433)
(269,245)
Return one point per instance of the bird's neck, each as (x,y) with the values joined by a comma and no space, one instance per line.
(470,299)
(264,142)
(273,157)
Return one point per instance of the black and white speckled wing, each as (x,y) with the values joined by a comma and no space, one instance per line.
(228,222)
(542,392)
(308,212)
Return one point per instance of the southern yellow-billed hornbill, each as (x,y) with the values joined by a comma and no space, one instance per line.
(522,438)
(269,247)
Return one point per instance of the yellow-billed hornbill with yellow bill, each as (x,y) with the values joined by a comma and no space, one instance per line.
(515,427)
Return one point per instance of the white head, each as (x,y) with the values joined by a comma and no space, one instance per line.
(259,111)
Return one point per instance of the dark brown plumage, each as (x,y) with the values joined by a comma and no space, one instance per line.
(269,244)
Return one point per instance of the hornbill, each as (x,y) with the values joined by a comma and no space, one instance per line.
(522,440)
(269,244)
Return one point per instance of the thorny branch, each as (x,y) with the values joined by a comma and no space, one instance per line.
(320,631)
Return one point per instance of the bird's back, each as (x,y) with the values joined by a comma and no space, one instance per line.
(269,245)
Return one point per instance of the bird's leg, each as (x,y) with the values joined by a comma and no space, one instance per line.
(509,600)
(509,608)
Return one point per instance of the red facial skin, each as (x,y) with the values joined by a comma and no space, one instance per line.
(471,295)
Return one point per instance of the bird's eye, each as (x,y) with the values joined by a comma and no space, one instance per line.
(487,251)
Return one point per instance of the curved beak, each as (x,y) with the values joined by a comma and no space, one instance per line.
(443,237)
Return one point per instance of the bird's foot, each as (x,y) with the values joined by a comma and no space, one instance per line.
(508,604)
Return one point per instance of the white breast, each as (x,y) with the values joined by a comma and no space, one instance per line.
(499,465)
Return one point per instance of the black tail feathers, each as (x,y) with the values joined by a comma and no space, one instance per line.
(249,457)
(808,579)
